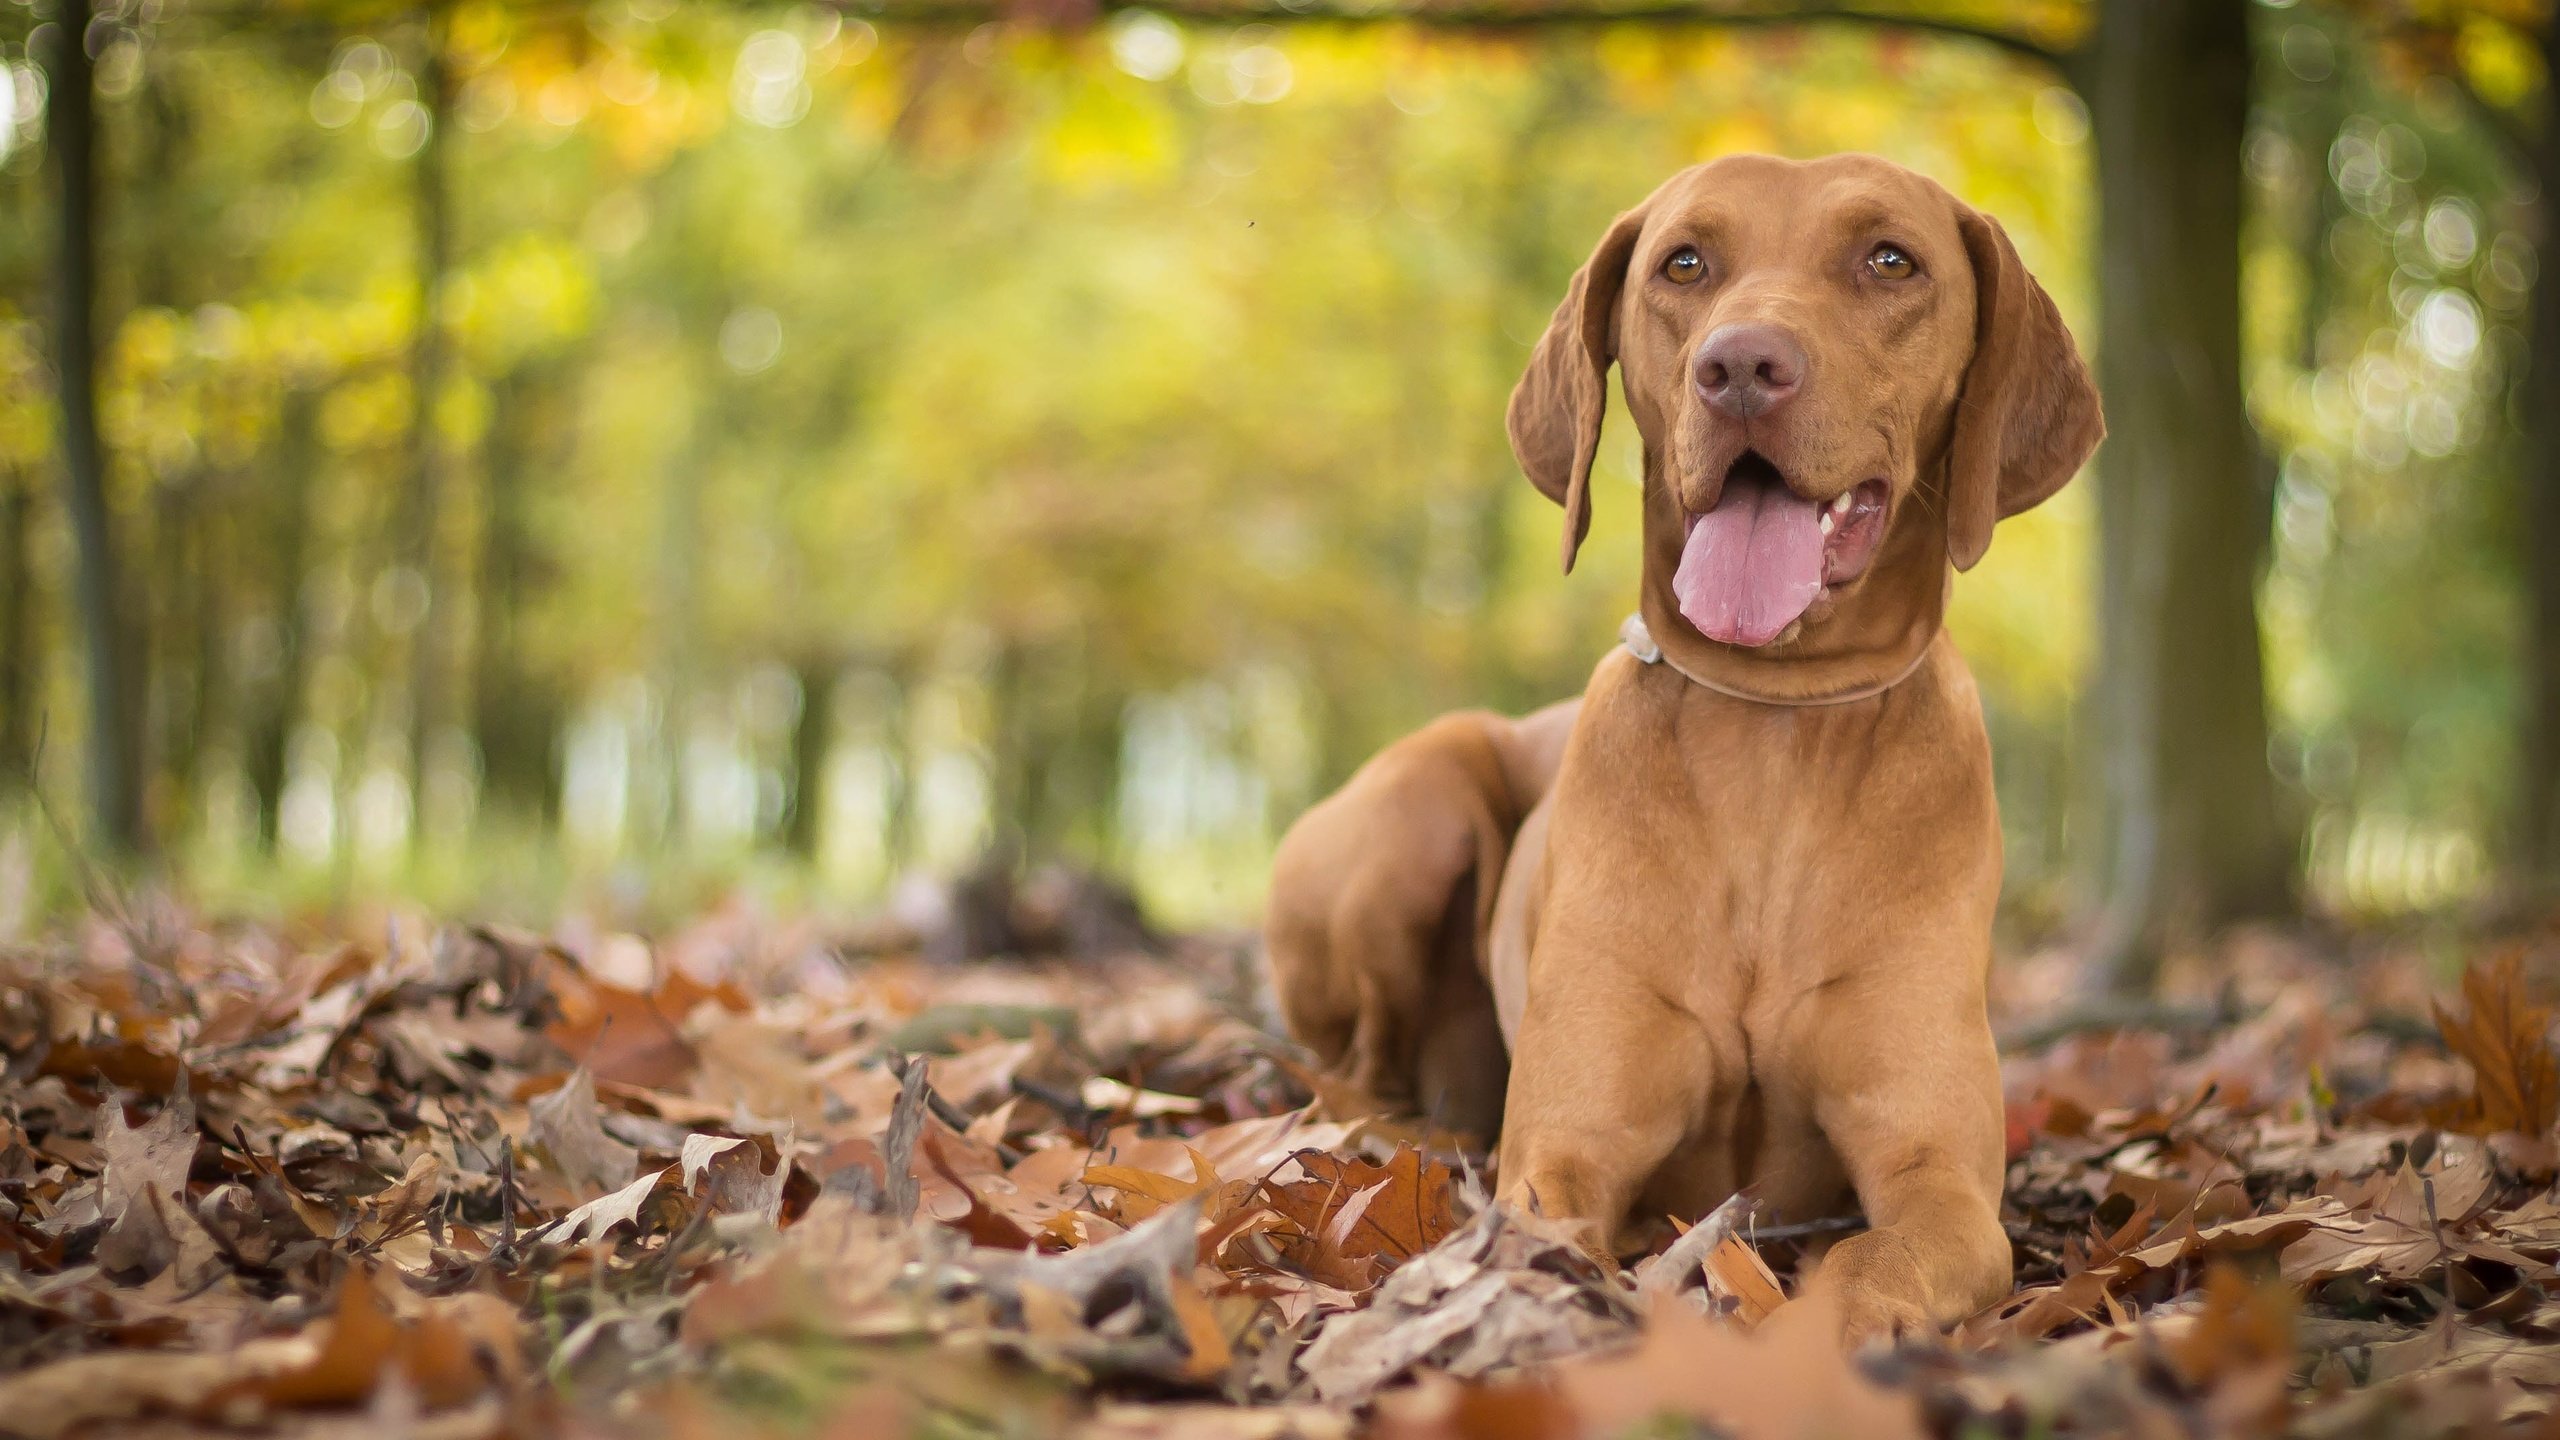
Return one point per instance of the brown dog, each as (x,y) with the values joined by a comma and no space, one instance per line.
(1738,930)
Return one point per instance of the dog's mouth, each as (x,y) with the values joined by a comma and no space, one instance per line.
(1751,566)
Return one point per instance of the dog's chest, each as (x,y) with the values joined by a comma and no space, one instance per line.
(1764,853)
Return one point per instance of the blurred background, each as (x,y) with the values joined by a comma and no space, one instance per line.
(501,453)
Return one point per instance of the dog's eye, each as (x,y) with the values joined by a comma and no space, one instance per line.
(1891,262)
(1685,266)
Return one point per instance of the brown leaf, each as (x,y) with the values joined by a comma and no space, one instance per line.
(632,1037)
(623,1207)
(1351,1217)
(154,1156)
(2239,1350)
(143,1188)
(569,1127)
(92,1390)
(735,1175)
(362,1342)
(2507,1039)
(1787,1380)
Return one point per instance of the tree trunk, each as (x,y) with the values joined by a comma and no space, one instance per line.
(271,706)
(1011,772)
(17,633)
(168,594)
(515,713)
(679,653)
(114,729)
(2194,838)
(433,206)
(2537,408)
(898,844)
(180,593)
(812,737)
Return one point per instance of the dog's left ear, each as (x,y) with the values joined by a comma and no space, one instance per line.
(2027,415)
(1556,407)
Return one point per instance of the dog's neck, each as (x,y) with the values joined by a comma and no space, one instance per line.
(1870,638)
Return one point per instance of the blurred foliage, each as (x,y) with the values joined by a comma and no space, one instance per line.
(883,439)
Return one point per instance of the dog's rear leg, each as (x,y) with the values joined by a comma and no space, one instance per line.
(1385,951)
(1460,1063)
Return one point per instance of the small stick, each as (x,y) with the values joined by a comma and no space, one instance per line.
(946,1112)
(1803,1229)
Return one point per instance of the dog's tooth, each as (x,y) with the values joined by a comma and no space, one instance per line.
(1826,522)
(1840,502)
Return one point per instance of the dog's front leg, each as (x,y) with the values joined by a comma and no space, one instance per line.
(1907,1090)
(1607,1081)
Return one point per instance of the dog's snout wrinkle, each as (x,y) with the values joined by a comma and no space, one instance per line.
(1746,371)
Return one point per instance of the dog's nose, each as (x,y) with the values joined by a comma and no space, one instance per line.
(1748,370)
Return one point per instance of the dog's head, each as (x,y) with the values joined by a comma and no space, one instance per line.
(1812,351)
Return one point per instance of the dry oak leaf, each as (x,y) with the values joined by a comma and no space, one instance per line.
(1356,1219)
(337,1361)
(2238,1351)
(152,1157)
(731,1175)
(2398,1225)
(1734,1280)
(592,1220)
(119,1385)
(569,1126)
(1440,1408)
(1127,1420)
(1144,1192)
(1786,1380)
(1077,1301)
(2521,1374)
(632,1037)
(2507,1039)
(2089,1294)
(997,1210)
(1506,1291)
(1244,1148)
(142,1192)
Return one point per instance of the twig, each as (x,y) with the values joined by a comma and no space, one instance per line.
(946,1112)
(1805,1229)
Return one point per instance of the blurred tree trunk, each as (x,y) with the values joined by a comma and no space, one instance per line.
(17,632)
(1097,748)
(422,517)
(812,738)
(271,705)
(176,594)
(2537,408)
(899,848)
(516,712)
(109,652)
(680,533)
(2194,837)
(1012,767)
(182,592)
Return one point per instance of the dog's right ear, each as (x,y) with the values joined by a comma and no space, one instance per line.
(1556,407)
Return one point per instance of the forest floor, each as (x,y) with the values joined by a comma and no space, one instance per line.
(462,1181)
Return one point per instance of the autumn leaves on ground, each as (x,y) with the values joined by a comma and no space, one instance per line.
(749,1180)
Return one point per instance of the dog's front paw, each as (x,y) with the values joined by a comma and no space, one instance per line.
(1868,1317)
(1874,1291)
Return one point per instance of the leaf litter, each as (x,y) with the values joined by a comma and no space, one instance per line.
(467,1182)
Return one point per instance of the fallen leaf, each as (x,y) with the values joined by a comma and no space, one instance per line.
(2507,1039)
(568,1125)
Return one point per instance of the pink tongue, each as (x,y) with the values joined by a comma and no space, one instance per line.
(1752,564)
